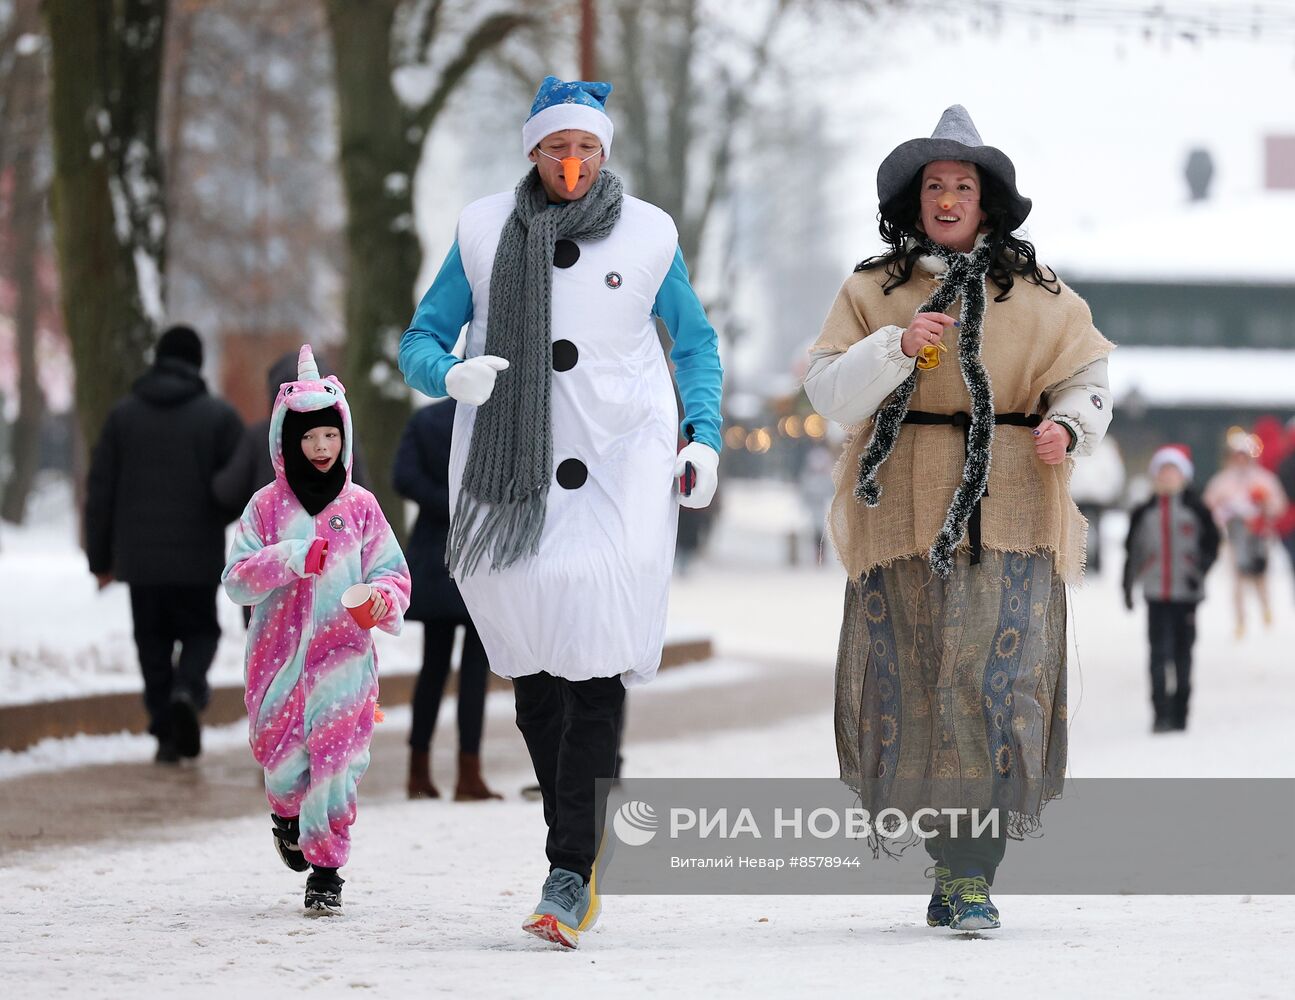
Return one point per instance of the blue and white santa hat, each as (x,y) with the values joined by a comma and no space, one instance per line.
(562,104)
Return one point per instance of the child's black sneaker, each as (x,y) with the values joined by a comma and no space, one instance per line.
(323,892)
(287,831)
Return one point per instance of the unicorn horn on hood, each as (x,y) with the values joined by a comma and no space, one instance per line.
(307,370)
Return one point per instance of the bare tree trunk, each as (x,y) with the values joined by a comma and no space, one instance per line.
(381,142)
(382,247)
(107,195)
(24,136)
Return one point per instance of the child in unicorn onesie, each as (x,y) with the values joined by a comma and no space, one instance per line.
(311,670)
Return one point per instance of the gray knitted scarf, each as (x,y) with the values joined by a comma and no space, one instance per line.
(502,499)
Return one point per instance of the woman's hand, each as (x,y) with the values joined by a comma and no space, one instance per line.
(1050,442)
(926,329)
(378,605)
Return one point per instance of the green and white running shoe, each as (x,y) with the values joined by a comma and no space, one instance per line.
(970,905)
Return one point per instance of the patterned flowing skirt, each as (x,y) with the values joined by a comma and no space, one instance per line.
(952,692)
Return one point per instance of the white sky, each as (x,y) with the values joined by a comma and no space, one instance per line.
(1098,122)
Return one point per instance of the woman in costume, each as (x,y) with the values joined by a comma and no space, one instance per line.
(970,375)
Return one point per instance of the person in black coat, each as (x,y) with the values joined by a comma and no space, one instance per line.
(152,522)
(422,475)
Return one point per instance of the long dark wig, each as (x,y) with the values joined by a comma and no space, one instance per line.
(897,223)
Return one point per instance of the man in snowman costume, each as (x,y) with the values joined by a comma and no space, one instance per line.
(565,472)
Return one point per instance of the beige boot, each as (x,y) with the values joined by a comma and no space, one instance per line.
(471,786)
(420,776)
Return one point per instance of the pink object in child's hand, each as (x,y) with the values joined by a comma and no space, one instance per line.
(358,599)
(315,556)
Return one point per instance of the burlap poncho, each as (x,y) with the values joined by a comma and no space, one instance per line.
(1032,341)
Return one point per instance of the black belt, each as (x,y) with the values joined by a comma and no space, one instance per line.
(963,419)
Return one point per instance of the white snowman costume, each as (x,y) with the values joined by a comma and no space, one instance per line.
(592,602)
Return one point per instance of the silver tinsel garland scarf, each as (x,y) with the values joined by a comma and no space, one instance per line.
(505,488)
(964,278)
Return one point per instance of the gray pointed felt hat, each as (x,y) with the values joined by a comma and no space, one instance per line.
(954,138)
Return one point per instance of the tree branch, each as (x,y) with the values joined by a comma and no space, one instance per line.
(487,35)
(426,33)
(736,102)
(642,140)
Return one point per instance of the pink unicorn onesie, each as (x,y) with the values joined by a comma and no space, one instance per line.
(311,669)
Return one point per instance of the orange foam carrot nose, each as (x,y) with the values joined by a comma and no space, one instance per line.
(946,201)
(571,171)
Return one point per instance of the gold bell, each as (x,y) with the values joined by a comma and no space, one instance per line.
(929,356)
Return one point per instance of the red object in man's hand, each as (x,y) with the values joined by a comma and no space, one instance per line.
(688,480)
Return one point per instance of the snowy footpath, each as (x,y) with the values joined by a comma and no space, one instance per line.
(436,891)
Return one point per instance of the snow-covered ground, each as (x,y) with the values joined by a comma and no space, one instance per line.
(436,891)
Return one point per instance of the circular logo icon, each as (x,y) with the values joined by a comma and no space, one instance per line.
(1097,400)
(613,279)
(336,523)
(635,823)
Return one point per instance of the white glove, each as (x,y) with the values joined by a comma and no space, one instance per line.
(473,381)
(705,463)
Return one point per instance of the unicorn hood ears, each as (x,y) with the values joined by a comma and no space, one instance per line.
(306,394)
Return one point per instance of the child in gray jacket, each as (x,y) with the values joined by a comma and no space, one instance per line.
(1171,545)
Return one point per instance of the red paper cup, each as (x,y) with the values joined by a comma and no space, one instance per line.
(358,600)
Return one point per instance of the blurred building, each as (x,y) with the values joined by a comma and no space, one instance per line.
(1200,298)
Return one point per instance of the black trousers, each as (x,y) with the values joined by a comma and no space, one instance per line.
(572,731)
(165,615)
(438,642)
(966,855)
(1172,629)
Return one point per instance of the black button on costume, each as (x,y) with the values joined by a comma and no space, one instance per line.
(572,474)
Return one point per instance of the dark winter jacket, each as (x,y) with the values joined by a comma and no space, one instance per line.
(249,469)
(1172,543)
(422,474)
(1286,474)
(150,516)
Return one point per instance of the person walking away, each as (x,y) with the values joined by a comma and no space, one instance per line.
(152,522)
(421,474)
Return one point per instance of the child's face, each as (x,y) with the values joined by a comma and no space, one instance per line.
(322,445)
(1170,479)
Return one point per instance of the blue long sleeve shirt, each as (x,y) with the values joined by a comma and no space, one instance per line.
(425,348)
